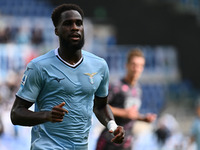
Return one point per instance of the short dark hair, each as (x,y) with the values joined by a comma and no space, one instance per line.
(56,14)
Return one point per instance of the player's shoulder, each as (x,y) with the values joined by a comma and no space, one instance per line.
(91,55)
(44,58)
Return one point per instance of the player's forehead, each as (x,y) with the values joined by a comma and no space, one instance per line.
(137,59)
(70,15)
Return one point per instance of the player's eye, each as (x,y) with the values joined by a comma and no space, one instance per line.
(79,22)
(67,23)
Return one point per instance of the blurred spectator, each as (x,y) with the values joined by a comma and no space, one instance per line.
(3,35)
(11,137)
(167,134)
(1,123)
(23,36)
(1,126)
(8,34)
(37,36)
(162,134)
(125,102)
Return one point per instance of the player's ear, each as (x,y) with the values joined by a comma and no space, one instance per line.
(56,31)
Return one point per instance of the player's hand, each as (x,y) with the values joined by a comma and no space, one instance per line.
(119,135)
(132,113)
(150,117)
(57,113)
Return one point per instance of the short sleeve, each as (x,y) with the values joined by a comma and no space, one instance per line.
(31,83)
(102,90)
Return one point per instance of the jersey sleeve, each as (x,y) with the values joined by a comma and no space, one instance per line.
(102,90)
(31,83)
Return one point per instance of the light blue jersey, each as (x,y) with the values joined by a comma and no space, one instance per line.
(49,81)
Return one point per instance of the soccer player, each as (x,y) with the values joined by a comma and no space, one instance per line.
(125,101)
(66,85)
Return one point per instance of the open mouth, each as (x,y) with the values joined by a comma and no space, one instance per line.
(75,36)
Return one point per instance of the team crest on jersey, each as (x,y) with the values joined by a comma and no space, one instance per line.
(91,77)
(23,80)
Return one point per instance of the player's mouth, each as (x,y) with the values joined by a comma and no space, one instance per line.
(75,37)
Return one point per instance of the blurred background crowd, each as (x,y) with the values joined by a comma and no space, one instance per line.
(167,31)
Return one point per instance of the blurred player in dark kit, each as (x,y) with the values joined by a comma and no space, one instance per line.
(125,101)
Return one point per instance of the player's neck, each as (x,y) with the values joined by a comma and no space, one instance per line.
(72,57)
(130,80)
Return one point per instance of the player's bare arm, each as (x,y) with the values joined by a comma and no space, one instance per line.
(104,114)
(149,117)
(102,110)
(130,113)
(21,115)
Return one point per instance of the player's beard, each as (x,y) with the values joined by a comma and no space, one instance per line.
(69,45)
